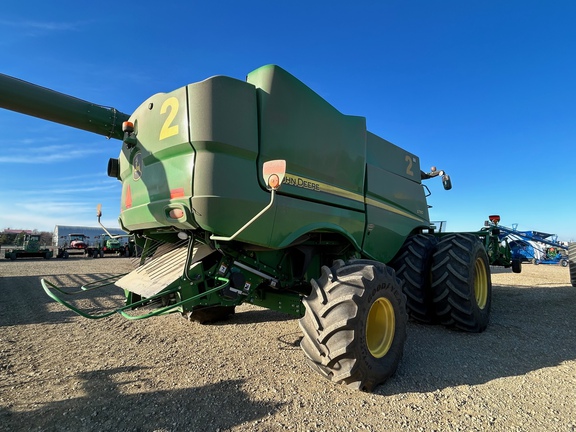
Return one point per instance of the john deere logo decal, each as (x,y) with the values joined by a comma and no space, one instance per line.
(137,166)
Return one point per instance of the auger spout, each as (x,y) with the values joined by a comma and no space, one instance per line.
(31,99)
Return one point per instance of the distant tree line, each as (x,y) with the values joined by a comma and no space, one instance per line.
(12,237)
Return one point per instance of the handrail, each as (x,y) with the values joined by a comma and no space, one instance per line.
(49,288)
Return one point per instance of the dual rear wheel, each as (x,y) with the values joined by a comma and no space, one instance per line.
(446,281)
(461,283)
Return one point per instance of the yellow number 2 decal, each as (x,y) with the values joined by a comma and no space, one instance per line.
(409,167)
(168,129)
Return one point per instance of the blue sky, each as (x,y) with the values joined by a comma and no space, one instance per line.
(485,90)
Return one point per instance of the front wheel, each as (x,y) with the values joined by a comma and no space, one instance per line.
(516,265)
(462,283)
(355,324)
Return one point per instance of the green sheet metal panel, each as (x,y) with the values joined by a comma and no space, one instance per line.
(325,150)
(395,200)
(224,134)
(156,173)
(296,217)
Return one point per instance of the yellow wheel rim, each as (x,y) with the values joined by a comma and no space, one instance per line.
(380,327)
(481,283)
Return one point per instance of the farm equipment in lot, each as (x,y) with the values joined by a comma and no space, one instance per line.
(72,244)
(534,246)
(131,249)
(261,192)
(106,244)
(497,245)
(29,247)
(553,256)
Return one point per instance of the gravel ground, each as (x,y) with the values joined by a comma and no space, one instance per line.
(61,372)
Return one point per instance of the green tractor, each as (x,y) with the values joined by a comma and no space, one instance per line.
(261,192)
(106,244)
(28,246)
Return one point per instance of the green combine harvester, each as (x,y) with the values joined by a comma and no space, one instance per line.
(261,192)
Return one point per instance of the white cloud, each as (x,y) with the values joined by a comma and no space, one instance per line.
(48,154)
(34,28)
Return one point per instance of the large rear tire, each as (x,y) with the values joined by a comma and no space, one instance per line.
(572,262)
(462,283)
(413,265)
(355,324)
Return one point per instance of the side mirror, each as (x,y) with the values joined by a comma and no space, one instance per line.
(99,210)
(446,182)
